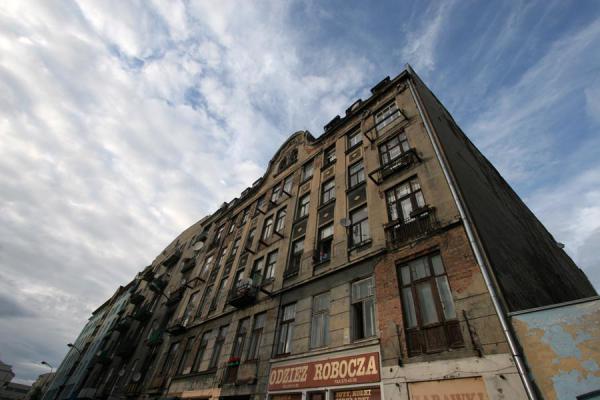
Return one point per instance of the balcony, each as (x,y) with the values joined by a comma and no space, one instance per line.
(421,223)
(172,260)
(401,163)
(155,338)
(158,285)
(122,326)
(176,295)
(137,299)
(147,274)
(177,326)
(142,314)
(243,294)
(188,265)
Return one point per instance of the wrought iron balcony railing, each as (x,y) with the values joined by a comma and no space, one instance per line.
(243,294)
(401,163)
(421,223)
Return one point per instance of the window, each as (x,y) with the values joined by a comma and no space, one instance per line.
(307,171)
(286,329)
(280,220)
(329,156)
(270,268)
(200,352)
(359,227)
(207,264)
(328,191)
(356,174)
(393,148)
(267,228)
(250,238)
(256,336)
(245,215)
(170,359)
(235,247)
(257,270)
(186,353)
(303,205)
(218,295)
(324,241)
(240,338)
(386,115)
(214,358)
(260,203)
(189,308)
(319,329)
(363,309)
(222,254)
(204,300)
(231,227)
(295,257)
(430,316)
(403,199)
(354,138)
(219,234)
(287,185)
(238,278)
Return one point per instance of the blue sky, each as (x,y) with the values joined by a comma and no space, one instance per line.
(122,123)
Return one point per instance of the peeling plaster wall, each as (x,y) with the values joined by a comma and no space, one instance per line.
(562,348)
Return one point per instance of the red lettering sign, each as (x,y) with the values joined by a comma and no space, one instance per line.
(361,368)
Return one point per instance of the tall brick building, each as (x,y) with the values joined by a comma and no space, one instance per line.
(379,260)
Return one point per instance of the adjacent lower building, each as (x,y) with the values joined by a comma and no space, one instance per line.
(382,260)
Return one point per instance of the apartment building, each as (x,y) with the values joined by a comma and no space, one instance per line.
(378,260)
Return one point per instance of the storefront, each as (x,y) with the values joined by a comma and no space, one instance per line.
(343,376)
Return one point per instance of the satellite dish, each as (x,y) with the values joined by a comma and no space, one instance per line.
(122,372)
(136,377)
(345,222)
(198,246)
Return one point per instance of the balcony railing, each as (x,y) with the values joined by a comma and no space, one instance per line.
(177,326)
(132,389)
(142,314)
(243,294)
(176,295)
(172,260)
(122,326)
(137,298)
(402,162)
(421,223)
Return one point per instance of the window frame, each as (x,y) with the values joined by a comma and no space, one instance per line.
(358,174)
(218,347)
(354,132)
(295,258)
(187,349)
(359,223)
(443,323)
(386,120)
(384,148)
(257,262)
(202,344)
(320,313)
(256,334)
(321,241)
(308,166)
(289,331)
(328,191)
(268,226)
(270,263)
(362,301)
(302,210)
(280,217)
(414,195)
(329,156)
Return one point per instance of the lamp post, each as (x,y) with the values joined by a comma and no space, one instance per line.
(72,346)
(48,365)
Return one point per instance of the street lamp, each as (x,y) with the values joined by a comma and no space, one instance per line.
(48,365)
(72,346)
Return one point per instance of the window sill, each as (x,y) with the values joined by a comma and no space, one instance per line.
(329,164)
(356,146)
(300,219)
(322,263)
(358,185)
(361,245)
(323,205)
(305,180)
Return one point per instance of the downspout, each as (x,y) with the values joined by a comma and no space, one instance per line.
(529,388)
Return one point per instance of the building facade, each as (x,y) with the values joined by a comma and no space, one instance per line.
(379,260)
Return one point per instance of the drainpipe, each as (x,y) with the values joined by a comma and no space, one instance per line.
(529,388)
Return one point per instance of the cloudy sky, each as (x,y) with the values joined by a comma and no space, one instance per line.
(122,123)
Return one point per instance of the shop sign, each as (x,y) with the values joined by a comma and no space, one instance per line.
(449,389)
(361,368)
(358,394)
